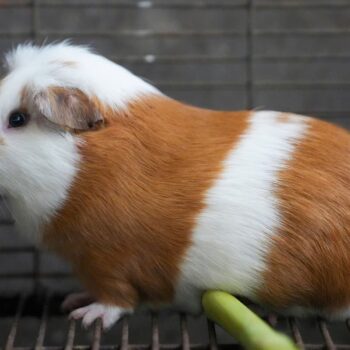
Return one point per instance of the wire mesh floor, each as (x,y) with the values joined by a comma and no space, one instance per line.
(35,322)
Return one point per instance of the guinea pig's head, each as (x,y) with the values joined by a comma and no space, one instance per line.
(49,96)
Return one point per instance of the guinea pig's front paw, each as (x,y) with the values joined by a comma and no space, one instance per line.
(107,313)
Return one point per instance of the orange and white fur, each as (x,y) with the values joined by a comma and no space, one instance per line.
(153,201)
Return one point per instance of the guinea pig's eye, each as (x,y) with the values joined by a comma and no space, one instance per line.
(18,119)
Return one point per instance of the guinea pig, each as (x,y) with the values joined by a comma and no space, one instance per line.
(153,201)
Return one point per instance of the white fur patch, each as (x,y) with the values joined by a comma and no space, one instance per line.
(37,168)
(233,232)
(78,67)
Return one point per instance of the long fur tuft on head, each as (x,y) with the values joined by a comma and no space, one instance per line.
(78,67)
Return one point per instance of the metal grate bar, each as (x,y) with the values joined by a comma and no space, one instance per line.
(141,33)
(249,56)
(43,324)
(326,335)
(273,4)
(50,309)
(36,276)
(145,4)
(213,345)
(302,84)
(96,338)
(319,85)
(302,57)
(296,333)
(308,32)
(124,33)
(257,84)
(70,335)
(14,250)
(178,59)
(185,338)
(155,332)
(12,335)
(151,33)
(189,33)
(151,58)
(125,333)
(341,112)
(35,20)
(255,58)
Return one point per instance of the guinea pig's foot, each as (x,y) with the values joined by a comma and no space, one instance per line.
(90,313)
(76,300)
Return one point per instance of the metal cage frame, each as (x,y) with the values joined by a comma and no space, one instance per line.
(16,308)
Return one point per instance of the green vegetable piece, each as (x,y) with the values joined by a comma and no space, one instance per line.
(244,325)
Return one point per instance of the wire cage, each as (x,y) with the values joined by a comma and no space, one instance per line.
(289,55)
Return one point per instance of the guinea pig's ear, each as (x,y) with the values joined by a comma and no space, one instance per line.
(69,108)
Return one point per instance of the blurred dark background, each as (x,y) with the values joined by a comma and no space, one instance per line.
(290,55)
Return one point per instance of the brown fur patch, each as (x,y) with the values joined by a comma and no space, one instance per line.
(309,264)
(128,220)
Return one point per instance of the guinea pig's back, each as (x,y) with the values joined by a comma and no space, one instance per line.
(276,224)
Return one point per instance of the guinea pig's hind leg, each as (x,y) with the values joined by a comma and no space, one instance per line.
(76,300)
(107,313)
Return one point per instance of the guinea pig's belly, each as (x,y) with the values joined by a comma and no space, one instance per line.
(276,226)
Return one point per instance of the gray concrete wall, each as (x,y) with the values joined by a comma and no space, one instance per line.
(291,55)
